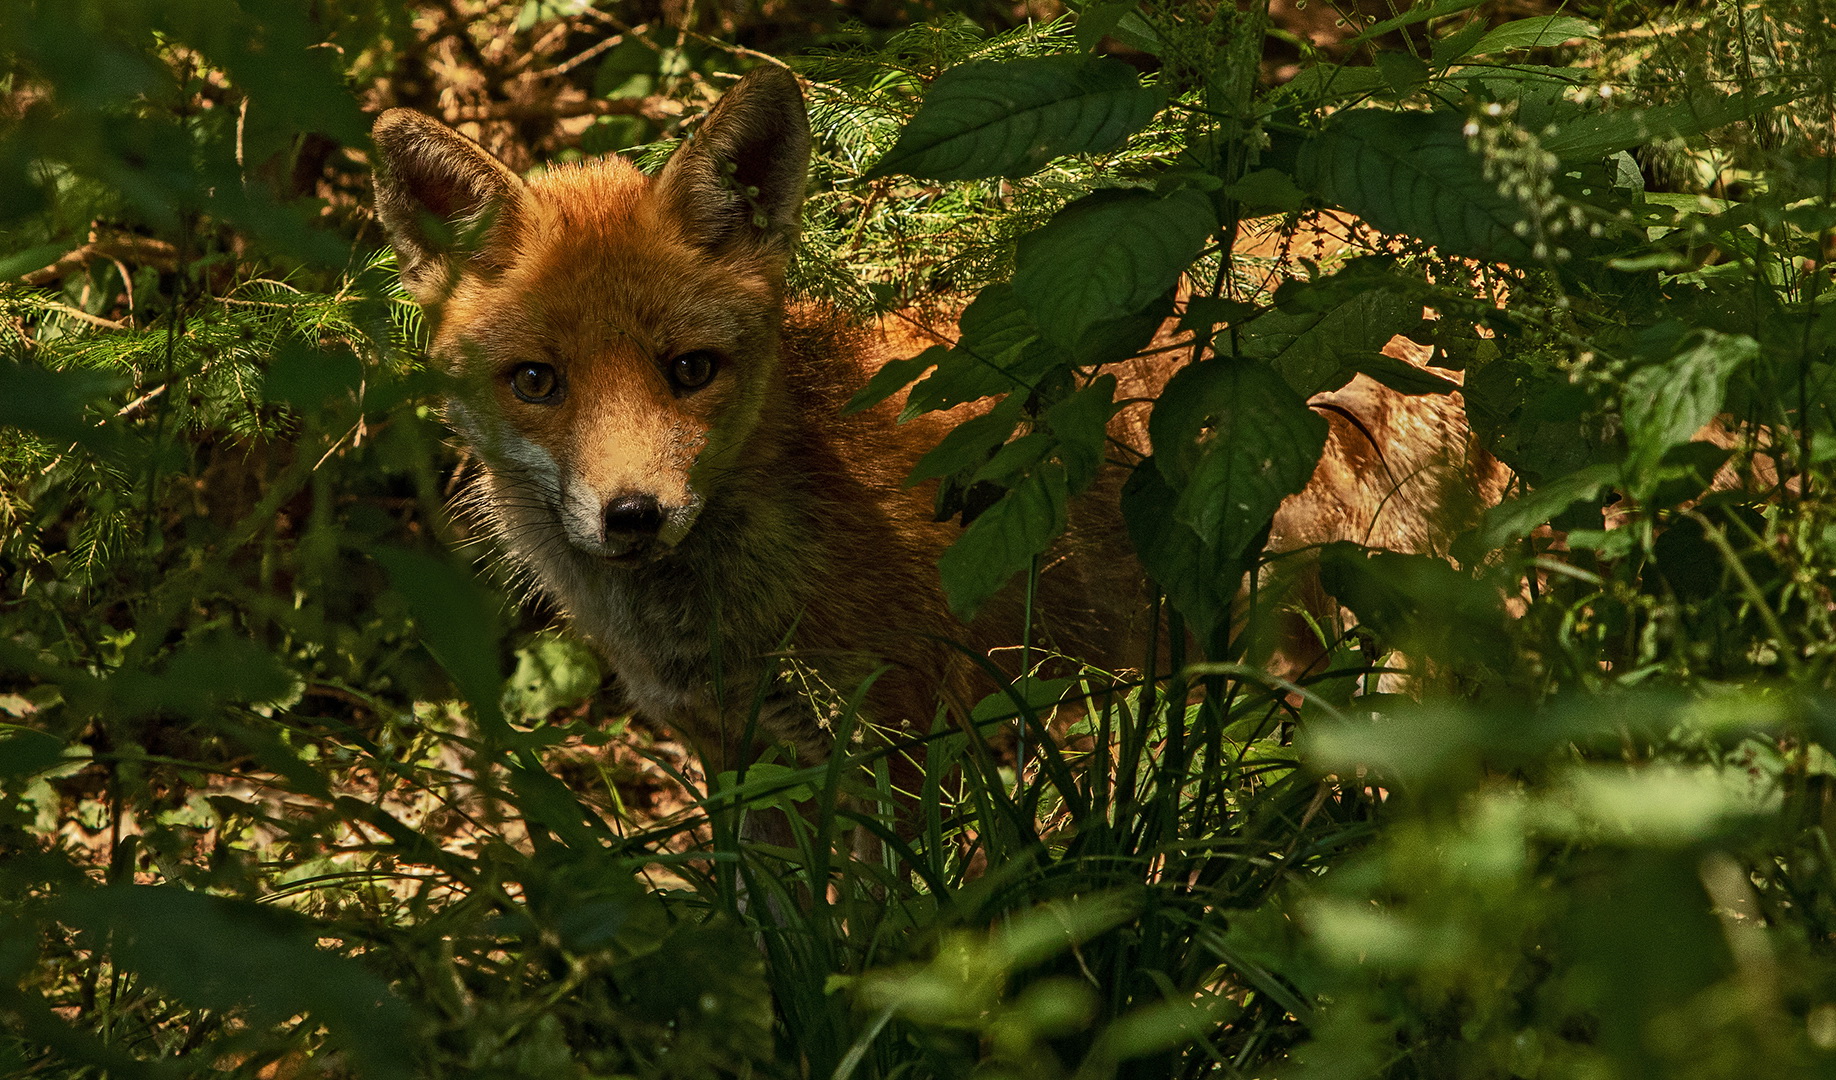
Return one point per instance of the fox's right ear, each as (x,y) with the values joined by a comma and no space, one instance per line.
(737,184)
(441,198)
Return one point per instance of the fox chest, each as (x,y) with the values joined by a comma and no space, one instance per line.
(694,659)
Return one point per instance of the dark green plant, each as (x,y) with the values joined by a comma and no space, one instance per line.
(283,785)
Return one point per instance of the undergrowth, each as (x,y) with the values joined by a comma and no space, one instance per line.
(290,788)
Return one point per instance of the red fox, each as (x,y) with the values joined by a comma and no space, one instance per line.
(664,447)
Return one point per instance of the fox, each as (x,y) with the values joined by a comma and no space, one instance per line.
(665,452)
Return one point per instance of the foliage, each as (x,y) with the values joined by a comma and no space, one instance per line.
(288,790)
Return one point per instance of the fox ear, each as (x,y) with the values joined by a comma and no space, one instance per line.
(739,180)
(440,197)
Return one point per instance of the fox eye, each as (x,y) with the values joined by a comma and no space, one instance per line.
(535,383)
(692,370)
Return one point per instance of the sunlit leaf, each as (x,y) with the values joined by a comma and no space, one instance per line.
(1009,117)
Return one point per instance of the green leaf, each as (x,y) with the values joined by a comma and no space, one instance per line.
(27,752)
(1419,603)
(1404,73)
(1267,191)
(1003,540)
(1596,135)
(548,803)
(893,377)
(51,403)
(629,70)
(990,355)
(1081,424)
(1400,375)
(1666,404)
(1411,17)
(31,259)
(1312,349)
(1015,458)
(457,620)
(1110,340)
(1010,117)
(552,672)
(1516,518)
(1412,173)
(1459,43)
(309,379)
(1098,20)
(1107,256)
(1200,582)
(1323,83)
(1537,33)
(970,443)
(1234,440)
(232,956)
(216,670)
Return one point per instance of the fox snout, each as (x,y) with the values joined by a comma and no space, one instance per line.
(629,526)
(625,527)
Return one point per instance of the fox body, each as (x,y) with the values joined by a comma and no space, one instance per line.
(662,439)
(664,451)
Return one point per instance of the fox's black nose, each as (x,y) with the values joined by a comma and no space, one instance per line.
(633,516)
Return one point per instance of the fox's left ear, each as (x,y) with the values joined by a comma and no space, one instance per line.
(738,183)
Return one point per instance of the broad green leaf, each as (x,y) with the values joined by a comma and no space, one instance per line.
(310,379)
(1234,440)
(51,403)
(1537,33)
(1313,349)
(1015,458)
(893,377)
(768,783)
(1415,15)
(1412,173)
(1107,256)
(458,623)
(1010,117)
(553,671)
(26,752)
(990,355)
(1108,341)
(1654,806)
(546,802)
(31,259)
(1404,73)
(969,444)
(1413,744)
(1031,937)
(1003,540)
(1199,582)
(1666,404)
(1596,135)
(628,70)
(1400,375)
(1419,603)
(1515,518)
(1459,43)
(217,670)
(1322,83)
(1096,21)
(236,957)
(1162,1026)
(1081,424)
(1267,191)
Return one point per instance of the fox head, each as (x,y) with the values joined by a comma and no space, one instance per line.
(614,336)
